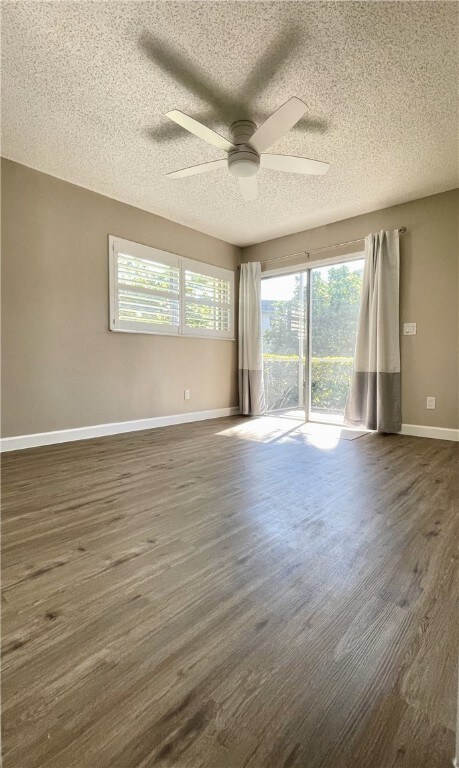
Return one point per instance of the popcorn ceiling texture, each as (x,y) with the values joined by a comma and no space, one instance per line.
(83,102)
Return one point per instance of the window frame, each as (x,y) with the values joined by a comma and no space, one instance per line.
(118,245)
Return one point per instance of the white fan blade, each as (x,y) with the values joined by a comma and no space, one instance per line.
(278,124)
(249,187)
(193,170)
(291,164)
(207,134)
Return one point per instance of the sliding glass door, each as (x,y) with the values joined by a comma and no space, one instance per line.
(309,332)
(284,316)
(334,309)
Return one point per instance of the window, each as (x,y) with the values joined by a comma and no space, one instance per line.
(153,291)
(145,289)
(207,299)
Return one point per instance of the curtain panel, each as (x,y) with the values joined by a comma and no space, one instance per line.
(375,400)
(251,390)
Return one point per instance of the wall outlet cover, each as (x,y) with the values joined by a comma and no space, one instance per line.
(187,394)
(409,329)
(431,403)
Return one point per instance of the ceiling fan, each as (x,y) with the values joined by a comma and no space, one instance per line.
(245,154)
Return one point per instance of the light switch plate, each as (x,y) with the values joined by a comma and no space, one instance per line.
(409,329)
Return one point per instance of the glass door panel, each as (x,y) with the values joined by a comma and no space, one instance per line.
(334,310)
(284,315)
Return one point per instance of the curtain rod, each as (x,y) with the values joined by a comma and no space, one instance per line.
(324,248)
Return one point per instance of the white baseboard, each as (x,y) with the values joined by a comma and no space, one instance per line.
(438,433)
(21,442)
(101,430)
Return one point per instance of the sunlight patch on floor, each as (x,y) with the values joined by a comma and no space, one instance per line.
(288,428)
(332,418)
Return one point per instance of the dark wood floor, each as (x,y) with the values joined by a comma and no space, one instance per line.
(225,594)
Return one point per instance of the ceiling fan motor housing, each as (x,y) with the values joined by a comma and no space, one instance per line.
(244,160)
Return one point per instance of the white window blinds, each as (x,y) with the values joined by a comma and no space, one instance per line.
(208,300)
(153,291)
(145,295)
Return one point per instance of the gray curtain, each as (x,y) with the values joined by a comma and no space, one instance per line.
(374,398)
(251,390)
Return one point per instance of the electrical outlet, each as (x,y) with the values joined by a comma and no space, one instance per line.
(409,329)
(431,403)
(187,394)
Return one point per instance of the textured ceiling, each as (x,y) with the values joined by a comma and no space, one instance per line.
(85,87)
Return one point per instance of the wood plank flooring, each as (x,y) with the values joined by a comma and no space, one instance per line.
(231,594)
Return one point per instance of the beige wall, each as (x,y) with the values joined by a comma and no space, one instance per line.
(61,366)
(429,294)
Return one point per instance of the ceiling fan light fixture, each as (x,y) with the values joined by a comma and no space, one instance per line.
(243,163)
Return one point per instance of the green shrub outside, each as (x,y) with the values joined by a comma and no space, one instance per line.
(330,381)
